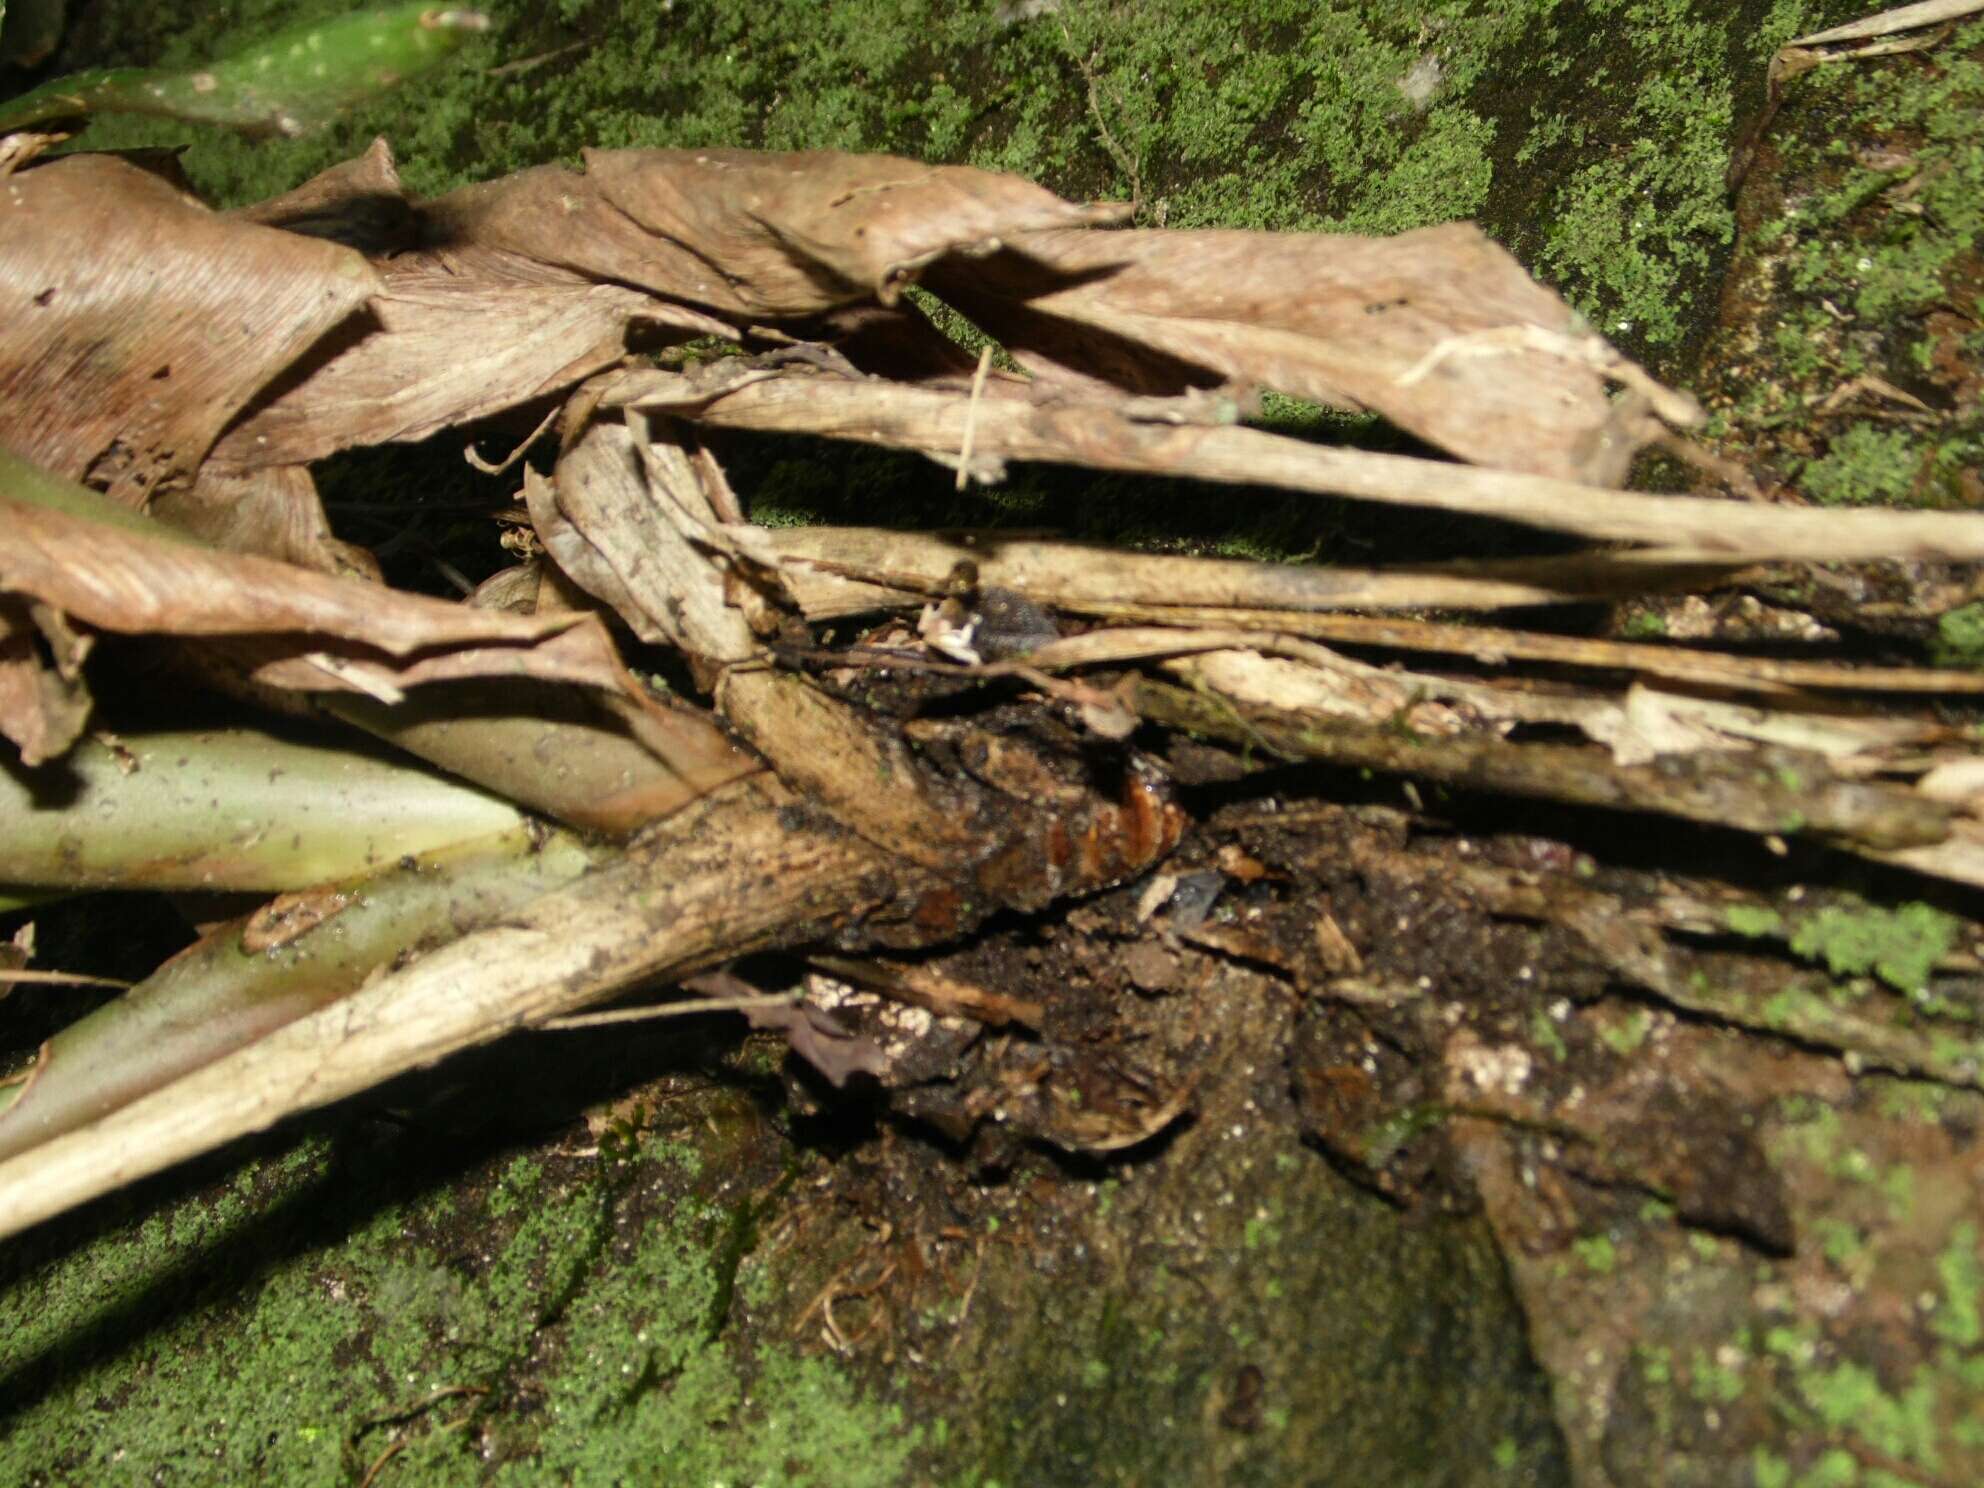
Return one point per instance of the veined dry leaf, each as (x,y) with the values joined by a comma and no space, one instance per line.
(630,520)
(273,512)
(139,323)
(122,572)
(448,340)
(1439,330)
(746,233)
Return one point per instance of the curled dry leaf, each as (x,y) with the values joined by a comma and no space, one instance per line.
(517,288)
(744,233)
(459,330)
(631,521)
(445,344)
(139,323)
(44,701)
(1439,330)
(514,289)
(120,571)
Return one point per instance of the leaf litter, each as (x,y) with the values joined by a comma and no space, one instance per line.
(1136,351)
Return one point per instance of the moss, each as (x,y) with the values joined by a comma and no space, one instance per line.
(569,1326)
(1960,636)
(1543,1033)
(1864,465)
(1597,1253)
(1644,625)
(1623,1036)
(1855,313)
(1753,921)
(1899,946)
(1959,1315)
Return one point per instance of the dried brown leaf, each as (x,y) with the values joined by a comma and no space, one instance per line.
(1439,330)
(139,323)
(622,520)
(273,512)
(447,341)
(44,701)
(308,630)
(752,234)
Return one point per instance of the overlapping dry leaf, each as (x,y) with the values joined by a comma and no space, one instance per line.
(139,323)
(446,343)
(273,512)
(1439,330)
(744,233)
(313,631)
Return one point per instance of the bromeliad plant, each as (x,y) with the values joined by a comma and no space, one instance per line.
(163,426)
(288,84)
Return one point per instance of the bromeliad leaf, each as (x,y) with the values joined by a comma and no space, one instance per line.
(288,84)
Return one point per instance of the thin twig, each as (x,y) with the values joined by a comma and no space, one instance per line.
(971,414)
(1125,162)
(64,979)
(469,452)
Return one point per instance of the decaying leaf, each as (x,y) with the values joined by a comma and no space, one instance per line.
(631,522)
(139,323)
(447,342)
(273,512)
(44,701)
(746,233)
(1439,330)
(119,571)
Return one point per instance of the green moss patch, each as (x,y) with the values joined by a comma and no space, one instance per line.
(546,1323)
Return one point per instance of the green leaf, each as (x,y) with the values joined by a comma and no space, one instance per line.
(288,84)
